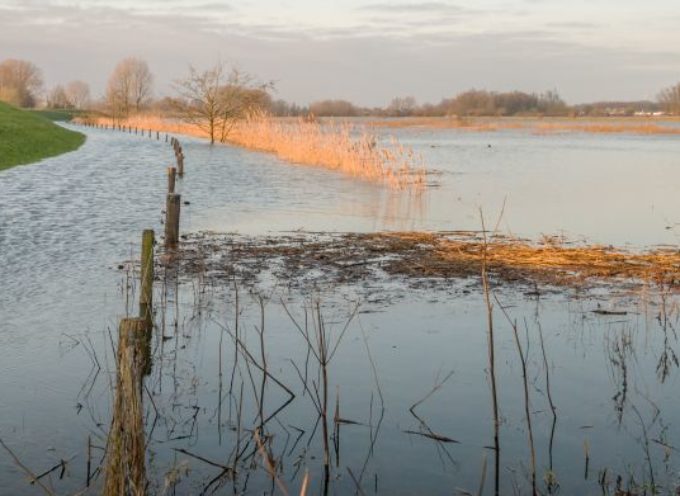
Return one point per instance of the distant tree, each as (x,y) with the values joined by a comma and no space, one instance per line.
(281,108)
(129,88)
(487,103)
(333,108)
(550,103)
(473,102)
(57,98)
(216,98)
(515,102)
(402,107)
(20,82)
(669,98)
(78,94)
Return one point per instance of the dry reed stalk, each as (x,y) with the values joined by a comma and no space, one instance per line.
(491,352)
(340,147)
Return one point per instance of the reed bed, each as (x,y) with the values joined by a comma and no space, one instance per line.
(337,146)
(640,126)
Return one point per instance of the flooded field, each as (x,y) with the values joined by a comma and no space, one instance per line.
(369,385)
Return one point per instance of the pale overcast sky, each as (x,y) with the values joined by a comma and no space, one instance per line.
(364,51)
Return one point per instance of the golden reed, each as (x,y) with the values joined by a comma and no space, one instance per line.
(341,147)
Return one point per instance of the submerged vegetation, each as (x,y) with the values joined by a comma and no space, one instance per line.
(341,147)
(422,256)
(26,137)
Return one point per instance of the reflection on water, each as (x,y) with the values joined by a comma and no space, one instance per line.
(254,391)
(237,399)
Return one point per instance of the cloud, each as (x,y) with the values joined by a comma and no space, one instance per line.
(412,8)
(369,55)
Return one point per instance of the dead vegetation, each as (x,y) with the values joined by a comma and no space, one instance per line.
(341,147)
(638,126)
(415,256)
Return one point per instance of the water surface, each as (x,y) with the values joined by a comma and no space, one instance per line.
(68,223)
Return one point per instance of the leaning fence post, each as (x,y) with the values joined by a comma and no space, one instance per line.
(172,173)
(146,291)
(172,212)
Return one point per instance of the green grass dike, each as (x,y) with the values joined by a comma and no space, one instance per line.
(27,137)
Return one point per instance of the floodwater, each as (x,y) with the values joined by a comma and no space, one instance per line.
(68,225)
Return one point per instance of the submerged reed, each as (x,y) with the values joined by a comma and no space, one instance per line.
(337,146)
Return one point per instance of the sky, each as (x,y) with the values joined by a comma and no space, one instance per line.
(364,51)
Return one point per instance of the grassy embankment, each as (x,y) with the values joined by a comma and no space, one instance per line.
(27,137)
(58,115)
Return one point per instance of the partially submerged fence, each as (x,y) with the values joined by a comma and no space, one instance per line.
(125,468)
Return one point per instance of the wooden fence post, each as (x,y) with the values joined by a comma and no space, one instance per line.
(125,470)
(180,162)
(146,286)
(172,212)
(172,173)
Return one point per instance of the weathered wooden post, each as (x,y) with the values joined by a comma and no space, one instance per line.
(146,286)
(172,212)
(149,133)
(172,173)
(158,136)
(166,137)
(134,350)
(180,162)
(125,470)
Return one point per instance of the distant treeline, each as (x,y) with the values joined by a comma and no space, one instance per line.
(469,103)
(233,94)
(473,103)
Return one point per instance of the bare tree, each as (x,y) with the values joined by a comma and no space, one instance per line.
(402,107)
(129,87)
(78,94)
(20,82)
(57,98)
(215,99)
(669,98)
